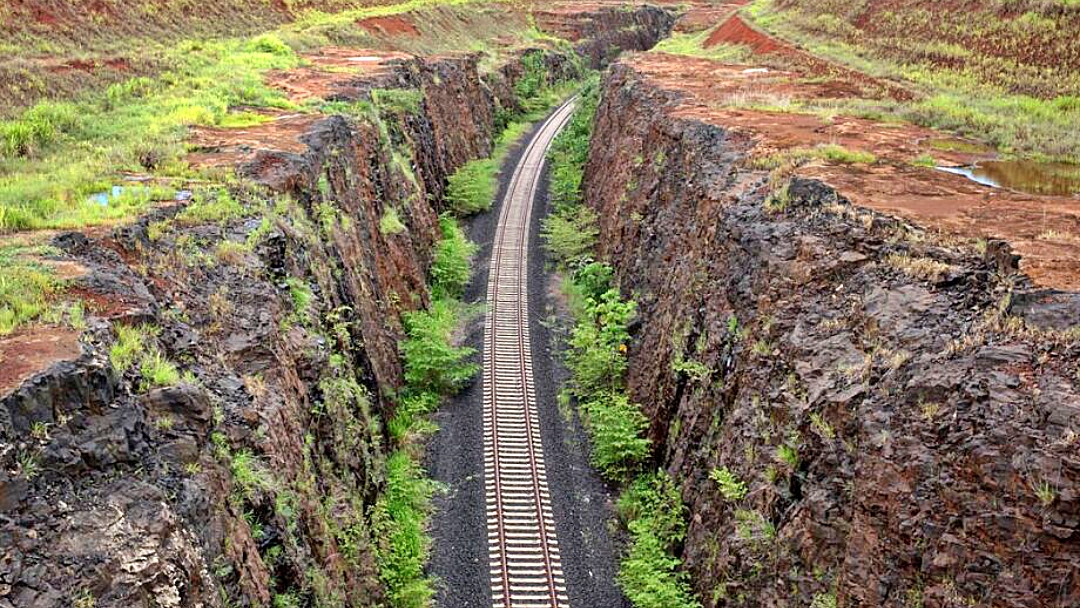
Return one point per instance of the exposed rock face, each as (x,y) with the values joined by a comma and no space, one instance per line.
(904,441)
(601,34)
(255,475)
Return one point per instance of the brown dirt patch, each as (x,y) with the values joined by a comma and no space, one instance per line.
(33,350)
(394,25)
(1044,230)
(333,71)
(216,147)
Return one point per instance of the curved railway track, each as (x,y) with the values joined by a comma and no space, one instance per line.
(526,570)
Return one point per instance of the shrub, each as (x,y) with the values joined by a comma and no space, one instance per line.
(269,43)
(431,362)
(571,235)
(731,487)
(616,427)
(471,189)
(598,344)
(656,518)
(593,279)
(570,150)
(534,77)
(450,269)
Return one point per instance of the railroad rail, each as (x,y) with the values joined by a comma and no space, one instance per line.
(526,570)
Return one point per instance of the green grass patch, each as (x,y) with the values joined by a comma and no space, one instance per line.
(1019,109)
(693,45)
(137,345)
(157,371)
(397,101)
(27,289)
(56,155)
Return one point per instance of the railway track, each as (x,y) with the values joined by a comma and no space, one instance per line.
(526,570)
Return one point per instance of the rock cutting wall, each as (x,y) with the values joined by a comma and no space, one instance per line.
(903,441)
(256,474)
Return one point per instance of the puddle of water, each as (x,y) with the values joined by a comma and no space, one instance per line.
(365,58)
(105,198)
(1055,179)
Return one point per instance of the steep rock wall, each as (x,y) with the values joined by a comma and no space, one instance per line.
(254,476)
(903,441)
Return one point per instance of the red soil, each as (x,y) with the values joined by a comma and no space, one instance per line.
(736,31)
(331,70)
(702,16)
(33,350)
(394,25)
(227,148)
(928,197)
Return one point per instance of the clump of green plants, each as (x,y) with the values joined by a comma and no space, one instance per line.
(650,505)
(399,101)
(571,230)
(434,368)
(431,362)
(450,269)
(26,289)
(656,517)
(129,346)
(158,371)
(390,222)
(210,206)
(399,521)
(135,345)
(731,487)
(617,428)
(38,128)
(598,343)
(471,189)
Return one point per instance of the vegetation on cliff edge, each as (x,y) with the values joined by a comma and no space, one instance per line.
(650,505)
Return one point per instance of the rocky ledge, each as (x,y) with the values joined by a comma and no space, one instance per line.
(253,474)
(861,412)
